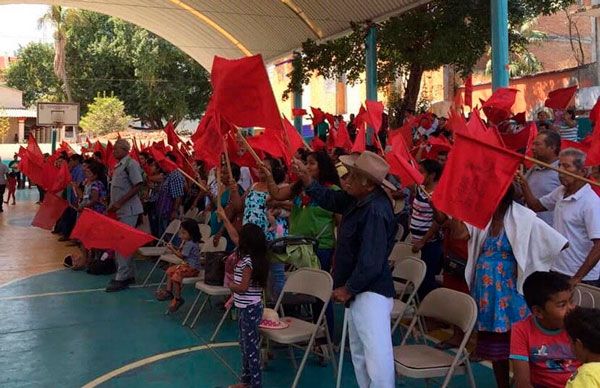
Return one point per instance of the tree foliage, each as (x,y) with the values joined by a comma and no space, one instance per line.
(105,115)
(34,75)
(442,32)
(4,125)
(155,80)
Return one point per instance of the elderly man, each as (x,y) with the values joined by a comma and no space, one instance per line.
(362,277)
(541,180)
(125,202)
(576,216)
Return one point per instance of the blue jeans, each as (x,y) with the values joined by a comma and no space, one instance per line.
(325,258)
(250,317)
(277,275)
(432,254)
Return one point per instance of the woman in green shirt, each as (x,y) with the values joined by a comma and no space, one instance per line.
(307,219)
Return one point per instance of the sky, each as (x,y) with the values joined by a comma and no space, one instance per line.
(18,27)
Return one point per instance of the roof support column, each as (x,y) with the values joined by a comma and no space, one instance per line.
(297,62)
(371,71)
(500,59)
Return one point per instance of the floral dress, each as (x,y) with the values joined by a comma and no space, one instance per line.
(495,290)
(255,209)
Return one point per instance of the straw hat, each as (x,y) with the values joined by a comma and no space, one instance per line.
(370,164)
(270,320)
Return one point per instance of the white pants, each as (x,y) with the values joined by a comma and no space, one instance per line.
(370,336)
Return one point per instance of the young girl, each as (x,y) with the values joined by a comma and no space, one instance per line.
(190,253)
(250,279)
(11,185)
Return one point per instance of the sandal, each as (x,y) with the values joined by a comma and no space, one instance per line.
(176,303)
(163,295)
(68,261)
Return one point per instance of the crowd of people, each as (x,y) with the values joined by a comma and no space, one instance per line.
(543,239)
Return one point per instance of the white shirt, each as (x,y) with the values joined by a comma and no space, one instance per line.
(245,178)
(576,217)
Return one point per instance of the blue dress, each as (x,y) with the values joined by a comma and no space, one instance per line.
(495,287)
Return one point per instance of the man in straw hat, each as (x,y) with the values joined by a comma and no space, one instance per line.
(362,277)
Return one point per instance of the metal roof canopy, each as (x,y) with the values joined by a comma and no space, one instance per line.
(234,28)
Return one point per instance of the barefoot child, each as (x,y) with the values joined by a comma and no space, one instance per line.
(250,279)
(190,253)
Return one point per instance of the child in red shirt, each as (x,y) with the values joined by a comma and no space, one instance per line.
(11,185)
(540,349)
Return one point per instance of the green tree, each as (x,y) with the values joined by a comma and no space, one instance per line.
(441,32)
(33,74)
(155,80)
(4,125)
(105,115)
(57,17)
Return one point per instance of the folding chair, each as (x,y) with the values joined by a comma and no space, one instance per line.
(311,282)
(161,246)
(410,273)
(426,362)
(192,213)
(203,288)
(587,296)
(401,251)
(205,233)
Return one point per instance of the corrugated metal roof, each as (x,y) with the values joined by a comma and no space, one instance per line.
(17,112)
(233,28)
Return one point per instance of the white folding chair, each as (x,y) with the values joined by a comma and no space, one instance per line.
(587,296)
(426,362)
(205,233)
(311,282)
(399,233)
(401,251)
(161,247)
(410,273)
(203,288)
(192,213)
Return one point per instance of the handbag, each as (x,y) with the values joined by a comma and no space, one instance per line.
(214,269)
(455,266)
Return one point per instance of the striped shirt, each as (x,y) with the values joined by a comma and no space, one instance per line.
(422,216)
(567,133)
(253,294)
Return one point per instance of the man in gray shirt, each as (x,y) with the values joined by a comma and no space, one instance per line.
(3,175)
(125,202)
(541,180)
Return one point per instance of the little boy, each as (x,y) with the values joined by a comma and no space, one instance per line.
(583,328)
(540,349)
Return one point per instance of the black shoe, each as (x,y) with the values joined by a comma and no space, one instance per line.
(130,280)
(117,285)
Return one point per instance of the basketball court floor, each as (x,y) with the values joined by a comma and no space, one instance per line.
(58,328)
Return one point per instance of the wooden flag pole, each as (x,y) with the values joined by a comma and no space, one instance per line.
(561,171)
(249,148)
(200,185)
(219,185)
(227,161)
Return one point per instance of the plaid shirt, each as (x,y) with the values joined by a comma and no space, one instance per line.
(171,189)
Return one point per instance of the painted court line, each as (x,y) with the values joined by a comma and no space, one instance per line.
(158,357)
(63,293)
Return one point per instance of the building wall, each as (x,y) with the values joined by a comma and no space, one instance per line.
(10,98)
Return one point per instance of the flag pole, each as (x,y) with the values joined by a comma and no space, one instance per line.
(227,161)
(248,147)
(200,185)
(561,171)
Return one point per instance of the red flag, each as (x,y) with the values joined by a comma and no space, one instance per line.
(242,93)
(560,98)
(478,130)
(342,139)
(520,118)
(399,166)
(135,151)
(64,146)
(208,143)
(270,143)
(474,180)
(533,132)
(172,137)
(34,148)
(469,91)
(95,230)
(498,107)
(166,164)
(317,144)
(361,117)
(374,114)
(108,158)
(360,143)
(517,141)
(296,140)
(595,112)
(593,141)
(318,116)
(98,148)
(49,212)
(437,144)
(296,112)
(60,179)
